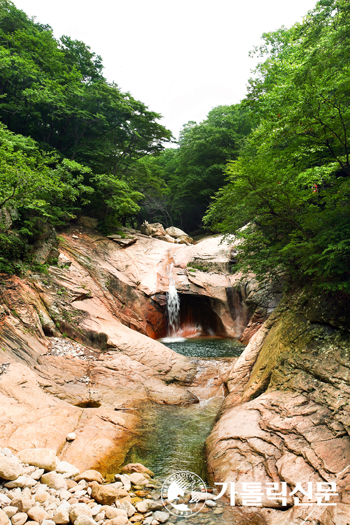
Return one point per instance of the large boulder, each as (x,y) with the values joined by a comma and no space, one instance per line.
(153,230)
(39,457)
(175,232)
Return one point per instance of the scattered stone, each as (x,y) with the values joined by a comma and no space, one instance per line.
(19,519)
(89,475)
(175,232)
(80,509)
(138,479)
(71,436)
(142,506)
(161,517)
(136,467)
(6,451)
(210,503)
(10,468)
(37,514)
(127,506)
(4,500)
(54,481)
(10,511)
(125,479)
(39,457)
(37,474)
(4,519)
(107,494)
(120,520)
(84,520)
(23,504)
(42,497)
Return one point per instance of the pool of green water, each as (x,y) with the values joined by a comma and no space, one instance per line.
(205,347)
(172,437)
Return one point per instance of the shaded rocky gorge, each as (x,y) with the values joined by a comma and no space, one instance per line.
(80,352)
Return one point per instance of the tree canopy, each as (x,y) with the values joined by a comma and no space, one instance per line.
(290,186)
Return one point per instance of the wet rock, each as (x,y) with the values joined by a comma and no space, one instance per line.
(10,468)
(161,517)
(136,467)
(107,494)
(39,457)
(138,479)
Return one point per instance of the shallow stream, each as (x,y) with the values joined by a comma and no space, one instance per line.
(173,437)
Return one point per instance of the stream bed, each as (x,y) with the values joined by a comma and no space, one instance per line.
(173,437)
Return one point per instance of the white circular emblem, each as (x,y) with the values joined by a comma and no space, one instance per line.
(184,493)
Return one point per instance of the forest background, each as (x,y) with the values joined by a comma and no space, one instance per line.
(273,170)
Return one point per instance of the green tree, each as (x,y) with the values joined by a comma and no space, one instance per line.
(290,188)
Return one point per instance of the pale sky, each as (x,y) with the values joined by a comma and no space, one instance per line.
(180,58)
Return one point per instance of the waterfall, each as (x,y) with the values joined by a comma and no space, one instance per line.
(173,306)
(173,310)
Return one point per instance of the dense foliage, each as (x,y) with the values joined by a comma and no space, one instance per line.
(290,187)
(193,172)
(54,92)
(72,143)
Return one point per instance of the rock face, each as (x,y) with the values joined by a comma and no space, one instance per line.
(286,417)
(107,299)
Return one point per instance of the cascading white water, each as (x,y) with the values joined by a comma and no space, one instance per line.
(173,306)
(173,310)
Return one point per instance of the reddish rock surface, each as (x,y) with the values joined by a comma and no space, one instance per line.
(286,417)
(108,300)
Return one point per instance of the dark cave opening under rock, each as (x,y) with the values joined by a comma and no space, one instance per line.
(198,317)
